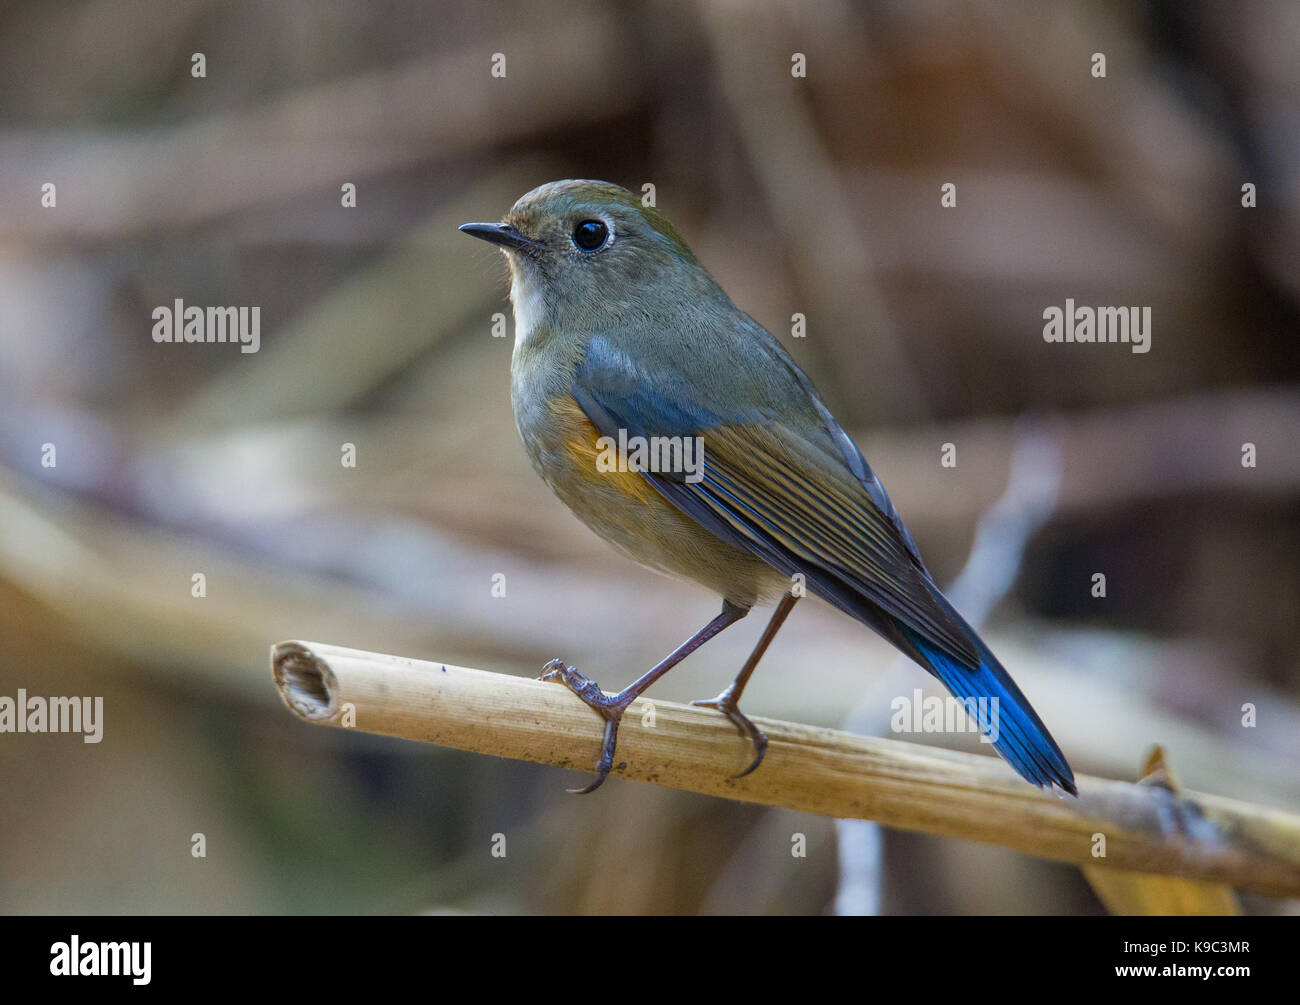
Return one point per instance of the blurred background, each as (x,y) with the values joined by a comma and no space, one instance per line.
(817,195)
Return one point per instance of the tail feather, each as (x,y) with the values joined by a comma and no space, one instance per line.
(1022,739)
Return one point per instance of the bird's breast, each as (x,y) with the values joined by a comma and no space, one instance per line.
(571,454)
(622,506)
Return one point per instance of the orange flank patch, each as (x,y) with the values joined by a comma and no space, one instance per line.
(580,438)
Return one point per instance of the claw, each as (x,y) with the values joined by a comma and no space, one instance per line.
(759,740)
(602,704)
(606,762)
(552,670)
(611,707)
(726,705)
(580,684)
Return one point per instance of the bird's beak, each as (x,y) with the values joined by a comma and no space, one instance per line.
(502,234)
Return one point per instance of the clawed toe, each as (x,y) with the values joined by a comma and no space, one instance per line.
(606,762)
(552,670)
(609,709)
(726,705)
(759,740)
(583,686)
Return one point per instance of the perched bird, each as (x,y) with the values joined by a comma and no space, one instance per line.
(622,337)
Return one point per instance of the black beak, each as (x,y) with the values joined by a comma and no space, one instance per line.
(502,234)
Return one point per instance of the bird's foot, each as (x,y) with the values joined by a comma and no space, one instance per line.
(726,704)
(608,707)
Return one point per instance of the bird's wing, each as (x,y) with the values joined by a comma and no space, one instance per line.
(802,500)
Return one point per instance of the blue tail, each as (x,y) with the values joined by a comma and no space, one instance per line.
(1022,739)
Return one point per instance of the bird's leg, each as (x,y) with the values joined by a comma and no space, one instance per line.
(727,702)
(611,707)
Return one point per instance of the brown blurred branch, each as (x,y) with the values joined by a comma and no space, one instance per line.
(312,138)
(1112,457)
(1142,828)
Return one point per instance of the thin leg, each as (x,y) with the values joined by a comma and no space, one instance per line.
(612,707)
(727,702)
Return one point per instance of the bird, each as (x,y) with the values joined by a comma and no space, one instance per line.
(627,351)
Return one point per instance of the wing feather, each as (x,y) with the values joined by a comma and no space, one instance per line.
(796,500)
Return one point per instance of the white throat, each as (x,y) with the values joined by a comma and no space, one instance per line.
(529,303)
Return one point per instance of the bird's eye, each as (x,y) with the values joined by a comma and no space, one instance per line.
(590,235)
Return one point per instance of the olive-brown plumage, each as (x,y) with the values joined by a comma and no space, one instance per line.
(621,332)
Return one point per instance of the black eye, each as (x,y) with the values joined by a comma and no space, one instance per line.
(590,235)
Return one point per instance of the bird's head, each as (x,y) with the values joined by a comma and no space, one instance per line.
(588,253)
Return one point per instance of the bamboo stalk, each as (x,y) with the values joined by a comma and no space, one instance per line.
(1140,828)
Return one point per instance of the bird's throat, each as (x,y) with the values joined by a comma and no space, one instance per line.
(529,302)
